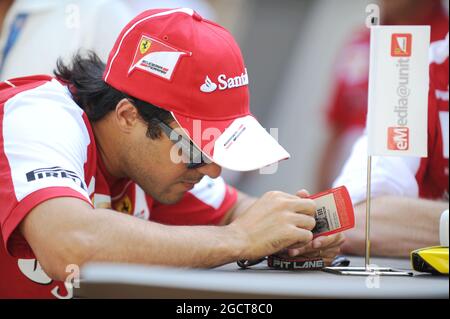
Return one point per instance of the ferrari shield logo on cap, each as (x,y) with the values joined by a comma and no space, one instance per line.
(157,58)
(145,45)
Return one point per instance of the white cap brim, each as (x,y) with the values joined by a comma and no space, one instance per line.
(242,144)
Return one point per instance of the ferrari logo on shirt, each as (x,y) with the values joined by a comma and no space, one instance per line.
(124,205)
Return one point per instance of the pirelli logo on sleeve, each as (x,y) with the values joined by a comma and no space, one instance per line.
(54,172)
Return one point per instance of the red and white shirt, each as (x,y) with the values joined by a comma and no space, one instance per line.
(410,176)
(47,150)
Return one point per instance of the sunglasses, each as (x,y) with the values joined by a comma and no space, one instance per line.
(196,158)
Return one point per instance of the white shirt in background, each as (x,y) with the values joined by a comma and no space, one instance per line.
(58,28)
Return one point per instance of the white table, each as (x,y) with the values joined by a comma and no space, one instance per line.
(229,281)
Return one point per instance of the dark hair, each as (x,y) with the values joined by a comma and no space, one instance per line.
(84,76)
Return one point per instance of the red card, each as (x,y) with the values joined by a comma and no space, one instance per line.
(334,212)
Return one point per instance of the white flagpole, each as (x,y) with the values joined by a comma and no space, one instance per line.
(375,20)
(369,173)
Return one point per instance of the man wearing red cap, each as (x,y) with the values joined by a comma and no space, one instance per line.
(145,134)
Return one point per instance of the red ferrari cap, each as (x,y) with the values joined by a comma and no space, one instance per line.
(192,67)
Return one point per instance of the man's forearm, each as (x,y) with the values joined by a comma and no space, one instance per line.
(109,236)
(64,231)
(183,246)
(398,226)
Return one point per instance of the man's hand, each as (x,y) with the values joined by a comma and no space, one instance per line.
(274,222)
(326,247)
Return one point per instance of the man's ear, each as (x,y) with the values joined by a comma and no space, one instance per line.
(126,115)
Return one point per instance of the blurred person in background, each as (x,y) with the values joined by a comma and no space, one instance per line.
(409,194)
(347,108)
(34,34)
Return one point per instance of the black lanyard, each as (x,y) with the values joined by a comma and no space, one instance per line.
(294,263)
